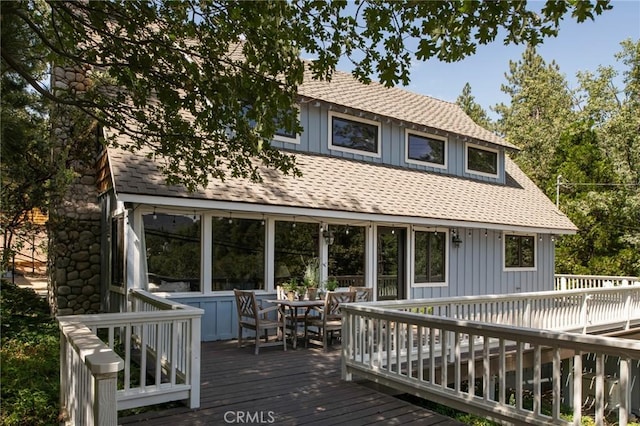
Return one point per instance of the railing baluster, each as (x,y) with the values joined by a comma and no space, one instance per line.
(502,372)
(557,382)
(577,388)
(537,379)
(519,379)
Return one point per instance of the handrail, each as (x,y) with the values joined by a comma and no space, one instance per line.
(571,310)
(88,366)
(161,338)
(397,344)
(568,282)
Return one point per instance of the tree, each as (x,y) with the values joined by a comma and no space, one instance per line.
(606,207)
(467,102)
(25,170)
(541,109)
(177,77)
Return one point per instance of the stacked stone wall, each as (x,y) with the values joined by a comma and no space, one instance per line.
(74,225)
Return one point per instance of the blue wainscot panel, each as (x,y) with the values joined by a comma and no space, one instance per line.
(220,321)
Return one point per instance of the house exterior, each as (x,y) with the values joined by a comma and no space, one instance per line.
(400,192)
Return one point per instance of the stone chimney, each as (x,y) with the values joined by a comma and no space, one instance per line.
(74,225)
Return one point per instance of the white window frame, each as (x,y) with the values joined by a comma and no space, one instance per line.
(409,160)
(483,148)
(506,268)
(333,147)
(412,258)
(287,139)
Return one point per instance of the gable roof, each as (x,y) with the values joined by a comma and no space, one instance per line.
(363,188)
(374,99)
(398,104)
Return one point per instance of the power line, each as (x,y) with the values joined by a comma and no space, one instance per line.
(559,183)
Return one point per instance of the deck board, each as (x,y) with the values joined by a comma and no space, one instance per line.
(293,387)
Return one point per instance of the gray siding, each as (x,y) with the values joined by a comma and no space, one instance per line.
(315,139)
(220,321)
(477,267)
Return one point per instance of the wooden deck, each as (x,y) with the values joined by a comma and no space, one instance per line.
(295,387)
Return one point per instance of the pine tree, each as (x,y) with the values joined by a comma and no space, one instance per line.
(468,104)
(541,108)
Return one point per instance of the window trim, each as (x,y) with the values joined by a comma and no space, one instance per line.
(288,139)
(467,170)
(412,261)
(355,119)
(506,268)
(409,160)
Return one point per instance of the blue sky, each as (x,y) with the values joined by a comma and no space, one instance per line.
(578,47)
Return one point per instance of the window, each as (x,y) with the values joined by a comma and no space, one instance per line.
(237,254)
(482,161)
(296,245)
(422,148)
(283,135)
(519,251)
(173,252)
(280,134)
(430,257)
(347,254)
(362,136)
(117,251)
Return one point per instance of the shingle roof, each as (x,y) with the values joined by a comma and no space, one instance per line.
(398,104)
(333,183)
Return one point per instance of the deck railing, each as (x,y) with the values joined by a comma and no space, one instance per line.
(152,356)
(572,282)
(482,355)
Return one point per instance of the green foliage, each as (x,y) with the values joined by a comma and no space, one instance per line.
(188,69)
(331,284)
(25,170)
(541,108)
(590,137)
(311,276)
(30,359)
(467,102)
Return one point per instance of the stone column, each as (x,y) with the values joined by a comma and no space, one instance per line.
(74,223)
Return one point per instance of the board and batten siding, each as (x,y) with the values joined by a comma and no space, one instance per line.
(477,267)
(315,139)
(220,320)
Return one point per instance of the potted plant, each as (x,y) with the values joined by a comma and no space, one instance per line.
(311,278)
(290,288)
(332,284)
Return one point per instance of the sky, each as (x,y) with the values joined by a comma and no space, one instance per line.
(578,47)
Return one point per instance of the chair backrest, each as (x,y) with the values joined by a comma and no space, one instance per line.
(280,293)
(363,294)
(334,299)
(246,304)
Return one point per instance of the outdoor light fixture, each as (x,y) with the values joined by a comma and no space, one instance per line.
(328,236)
(455,239)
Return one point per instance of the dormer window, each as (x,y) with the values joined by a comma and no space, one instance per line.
(358,136)
(481,161)
(283,135)
(425,149)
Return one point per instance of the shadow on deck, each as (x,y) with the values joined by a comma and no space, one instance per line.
(295,387)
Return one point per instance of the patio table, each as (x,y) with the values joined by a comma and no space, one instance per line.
(293,306)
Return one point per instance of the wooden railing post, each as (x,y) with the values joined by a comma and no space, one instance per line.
(584,313)
(194,363)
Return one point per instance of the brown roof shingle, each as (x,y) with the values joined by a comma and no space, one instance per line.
(332,183)
(398,104)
